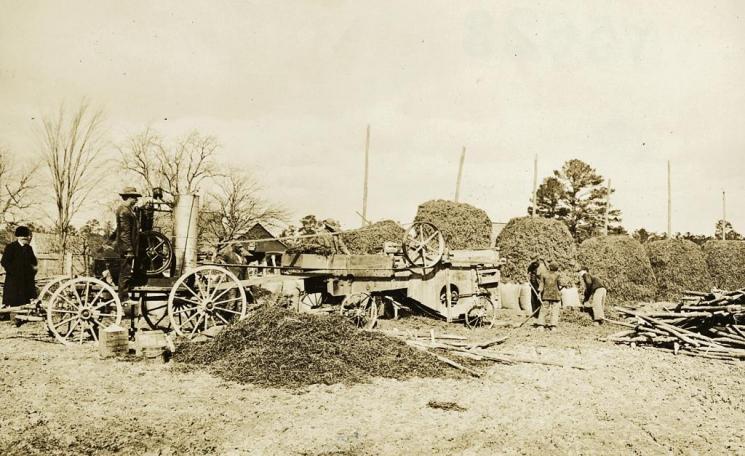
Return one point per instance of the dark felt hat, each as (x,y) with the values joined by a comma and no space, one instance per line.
(129,191)
(23,231)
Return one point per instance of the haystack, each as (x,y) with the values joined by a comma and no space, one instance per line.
(525,238)
(621,263)
(370,239)
(726,263)
(462,225)
(278,348)
(678,265)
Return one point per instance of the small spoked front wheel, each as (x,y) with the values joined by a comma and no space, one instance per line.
(361,309)
(80,308)
(482,314)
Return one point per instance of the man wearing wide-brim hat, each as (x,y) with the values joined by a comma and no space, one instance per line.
(126,240)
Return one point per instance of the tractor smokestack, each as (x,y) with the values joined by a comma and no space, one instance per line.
(185,231)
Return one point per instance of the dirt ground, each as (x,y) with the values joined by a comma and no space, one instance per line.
(58,400)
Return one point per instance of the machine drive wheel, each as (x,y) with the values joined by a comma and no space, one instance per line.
(423,245)
(157,252)
(205,298)
(80,308)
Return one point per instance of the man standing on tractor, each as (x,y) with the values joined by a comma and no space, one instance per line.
(126,241)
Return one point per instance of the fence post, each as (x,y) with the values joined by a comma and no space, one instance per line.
(67,264)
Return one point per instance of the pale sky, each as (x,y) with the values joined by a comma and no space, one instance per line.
(289,86)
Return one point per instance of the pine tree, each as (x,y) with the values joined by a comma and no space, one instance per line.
(576,195)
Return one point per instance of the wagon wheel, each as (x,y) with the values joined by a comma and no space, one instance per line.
(423,245)
(157,252)
(46,293)
(155,313)
(361,309)
(48,290)
(313,300)
(482,313)
(80,308)
(206,297)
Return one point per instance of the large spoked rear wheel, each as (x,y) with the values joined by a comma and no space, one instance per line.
(80,308)
(204,299)
(361,309)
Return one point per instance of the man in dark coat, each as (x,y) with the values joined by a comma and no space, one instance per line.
(126,240)
(595,293)
(536,269)
(551,296)
(20,264)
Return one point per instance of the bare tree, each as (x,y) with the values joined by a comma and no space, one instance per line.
(72,145)
(178,169)
(15,188)
(234,207)
(140,155)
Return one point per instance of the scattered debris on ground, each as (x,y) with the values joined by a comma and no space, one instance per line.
(710,325)
(473,351)
(279,348)
(449,406)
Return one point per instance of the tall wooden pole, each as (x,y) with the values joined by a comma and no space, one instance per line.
(364,191)
(724,216)
(535,184)
(460,173)
(669,204)
(607,209)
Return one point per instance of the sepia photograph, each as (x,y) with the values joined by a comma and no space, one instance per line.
(347,228)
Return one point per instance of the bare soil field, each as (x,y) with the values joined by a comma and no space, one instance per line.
(59,400)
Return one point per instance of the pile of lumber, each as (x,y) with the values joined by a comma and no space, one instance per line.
(709,325)
(440,344)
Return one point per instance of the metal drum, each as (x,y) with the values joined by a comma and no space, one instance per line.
(185,231)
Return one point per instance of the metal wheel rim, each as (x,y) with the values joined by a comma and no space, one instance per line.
(361,309)
(80,307)
(193,309)
(313,299)
(482,314)
(423,245)
(47,289)
(153,320)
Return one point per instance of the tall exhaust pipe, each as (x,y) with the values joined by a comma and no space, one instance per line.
(185,231)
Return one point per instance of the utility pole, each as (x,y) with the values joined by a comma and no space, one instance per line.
(535,184)
(460,173)
(669,204)
(607,209)
(724,216)
(364,191)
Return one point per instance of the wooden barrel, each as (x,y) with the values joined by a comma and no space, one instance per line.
(151,345)
(113,341)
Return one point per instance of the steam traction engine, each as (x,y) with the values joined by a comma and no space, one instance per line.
(171,290)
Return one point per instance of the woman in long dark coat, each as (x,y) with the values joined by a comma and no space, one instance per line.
(19,263)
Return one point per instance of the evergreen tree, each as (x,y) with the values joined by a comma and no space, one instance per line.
(576,195)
